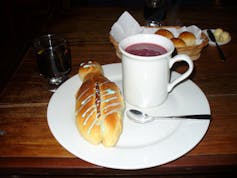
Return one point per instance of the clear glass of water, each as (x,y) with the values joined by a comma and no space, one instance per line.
(53,56)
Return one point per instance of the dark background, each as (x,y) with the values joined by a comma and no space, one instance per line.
(23,20)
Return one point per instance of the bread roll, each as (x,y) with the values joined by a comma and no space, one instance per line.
(188,37)
(165,33)
(99,106)
(178,42)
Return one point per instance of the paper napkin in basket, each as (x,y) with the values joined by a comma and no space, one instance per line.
(125,26)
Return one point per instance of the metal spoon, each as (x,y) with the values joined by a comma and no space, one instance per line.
(140,117)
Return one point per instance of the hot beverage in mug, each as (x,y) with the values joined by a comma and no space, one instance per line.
(146,71)
(146,49)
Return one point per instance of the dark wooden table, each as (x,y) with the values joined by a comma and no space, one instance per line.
(28,148)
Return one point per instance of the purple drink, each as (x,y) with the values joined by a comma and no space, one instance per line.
(146,49)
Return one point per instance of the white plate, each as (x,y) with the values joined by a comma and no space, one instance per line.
(211,42)
(140,145)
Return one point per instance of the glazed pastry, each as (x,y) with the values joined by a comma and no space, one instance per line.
(188,37)
(99,106)
(165,33)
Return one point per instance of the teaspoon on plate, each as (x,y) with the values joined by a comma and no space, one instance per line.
(140,117)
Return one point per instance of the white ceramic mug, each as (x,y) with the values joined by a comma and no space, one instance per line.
(146,79)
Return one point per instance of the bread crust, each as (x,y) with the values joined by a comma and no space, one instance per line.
(99,106)
(165,33)
(178,43)
(188,37)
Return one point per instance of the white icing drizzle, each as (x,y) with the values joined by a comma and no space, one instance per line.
(92,125)
(84,102)
(109,99)
(88,109)
(104,116)
(111,112)
(104,82)
(87,99)
(111,105)
(88,64)
(95,108)
(78,98)
(88,116)
(95,122)
(109,92)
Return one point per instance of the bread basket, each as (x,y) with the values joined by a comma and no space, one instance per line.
(193,52)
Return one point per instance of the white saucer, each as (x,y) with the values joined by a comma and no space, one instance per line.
(140,145)
(211,42)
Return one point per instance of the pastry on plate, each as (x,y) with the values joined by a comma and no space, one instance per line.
(99,106)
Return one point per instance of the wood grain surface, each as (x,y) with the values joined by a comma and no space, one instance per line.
(29,148)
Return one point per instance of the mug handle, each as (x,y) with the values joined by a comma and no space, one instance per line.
(177,58)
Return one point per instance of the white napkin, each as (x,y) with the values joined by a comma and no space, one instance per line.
(125,26)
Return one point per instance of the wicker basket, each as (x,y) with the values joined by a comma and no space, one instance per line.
(193,52)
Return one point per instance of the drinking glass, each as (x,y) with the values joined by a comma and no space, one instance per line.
(155,12)
(53,56)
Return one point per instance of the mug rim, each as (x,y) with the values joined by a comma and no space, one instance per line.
(145,40)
